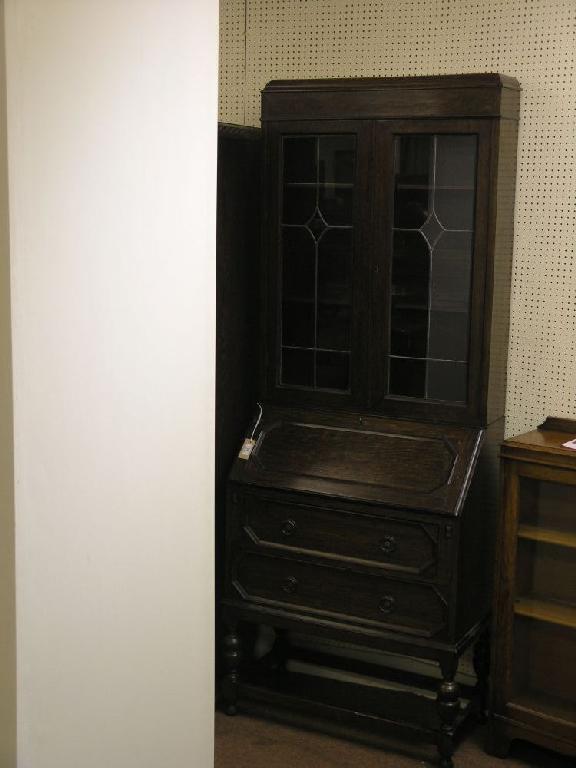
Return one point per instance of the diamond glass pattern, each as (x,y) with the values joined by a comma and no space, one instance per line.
(317,225)
(429,310)
(432,229)
(317,261)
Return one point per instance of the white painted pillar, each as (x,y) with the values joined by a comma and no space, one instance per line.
(112,108)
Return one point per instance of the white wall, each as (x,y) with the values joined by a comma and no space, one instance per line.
(112,163)
(7,586)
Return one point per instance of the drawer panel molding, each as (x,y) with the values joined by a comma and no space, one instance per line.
(409,547)
(412,608)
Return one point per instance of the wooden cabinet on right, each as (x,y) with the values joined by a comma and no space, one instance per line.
(534,634)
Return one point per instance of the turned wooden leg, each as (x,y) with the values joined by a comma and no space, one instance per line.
(482,669)
(448,707)
(232,659)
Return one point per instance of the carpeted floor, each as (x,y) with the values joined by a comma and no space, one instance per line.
(246,742)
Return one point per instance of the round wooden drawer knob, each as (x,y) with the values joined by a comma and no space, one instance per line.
(288,527)
(387,604)
(290,585)
(388,545)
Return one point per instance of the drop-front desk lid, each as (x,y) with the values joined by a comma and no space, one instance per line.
(365,458)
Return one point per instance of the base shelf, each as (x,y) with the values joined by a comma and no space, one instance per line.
(551,613)
(547,536)
(540,702)
(322,702)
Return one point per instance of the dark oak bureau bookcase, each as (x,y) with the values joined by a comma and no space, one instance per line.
(365,512)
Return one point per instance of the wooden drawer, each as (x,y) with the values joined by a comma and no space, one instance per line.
(417,609)
(405,546)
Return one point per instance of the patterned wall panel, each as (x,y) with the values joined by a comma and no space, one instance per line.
(532,40)
(232,61)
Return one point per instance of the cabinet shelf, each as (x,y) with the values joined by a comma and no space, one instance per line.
(420,307)
(547,536)
(538,701)
(316,349)
(427,359)
(333,301)
(435,188)
(550,613)
(330,184)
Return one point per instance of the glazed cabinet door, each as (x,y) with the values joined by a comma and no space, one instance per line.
(431,215)
(315,261)
(535,651)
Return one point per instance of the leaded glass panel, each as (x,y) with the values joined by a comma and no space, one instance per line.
(432,252)
(317,235)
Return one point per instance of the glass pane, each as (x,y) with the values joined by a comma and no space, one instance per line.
(447,381)
(455,208)
(297,368)
(544,632)
(431,271)
(543,669)
(336,205)
(317,237)
(298,264)
(548,506)
(300,157)
(333,370)
(545,571)
(298,324)
(407,377)
(448,336)
(413,161)
(299,204)
(337,159)
(411,208)
(334,325)
(455,161)
(409,335)
(410,271)
(335,267)
(451,272)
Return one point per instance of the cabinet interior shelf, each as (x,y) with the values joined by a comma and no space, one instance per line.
(331,184)
(547,536)
(551,613)
(427,359)
(429,187)
(538,701)
(332,302)
(418,229)
(316,349)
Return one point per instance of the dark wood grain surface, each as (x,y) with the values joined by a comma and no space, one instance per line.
(373,98)
(362,516)
(394,462)
(340,592)
(373,221)
(237,298)
(534,626)
(394,543)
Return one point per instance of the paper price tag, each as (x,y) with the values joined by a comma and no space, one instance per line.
(570,444)
(247,448)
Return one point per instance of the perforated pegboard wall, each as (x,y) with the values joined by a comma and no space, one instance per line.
(532,40)
(233,61)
